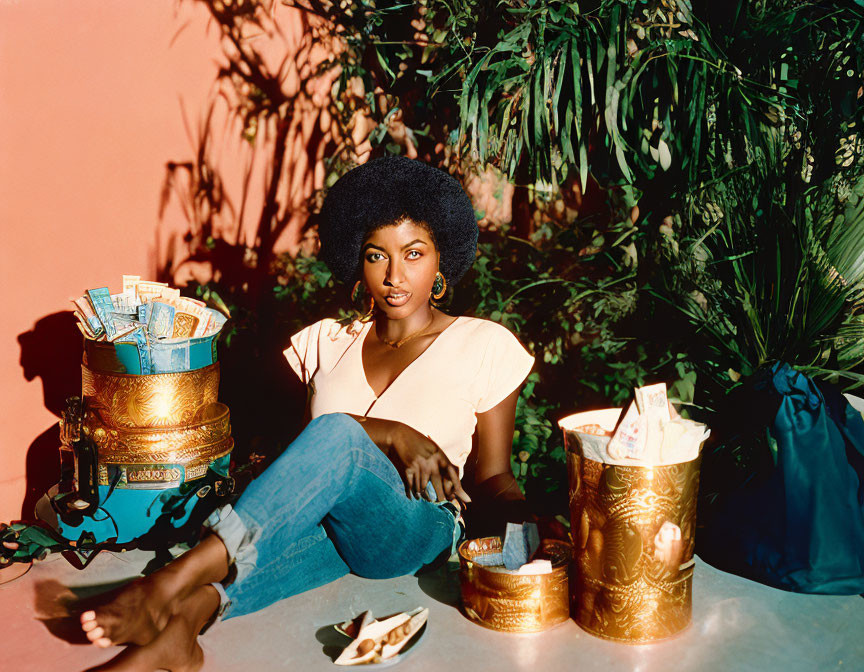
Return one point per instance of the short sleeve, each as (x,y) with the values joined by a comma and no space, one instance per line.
(302,352)
(505,365)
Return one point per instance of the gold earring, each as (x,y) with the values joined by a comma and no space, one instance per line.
(439,287)
(356,299)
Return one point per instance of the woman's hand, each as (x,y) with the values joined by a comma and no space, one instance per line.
(418,458)
(421,461)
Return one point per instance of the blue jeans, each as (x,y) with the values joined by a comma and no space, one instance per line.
(332,503)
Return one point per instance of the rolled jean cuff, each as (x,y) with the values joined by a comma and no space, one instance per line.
(238,537)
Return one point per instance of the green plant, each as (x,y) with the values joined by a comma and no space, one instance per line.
(661,155)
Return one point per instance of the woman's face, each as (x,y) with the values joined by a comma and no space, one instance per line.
(399,267)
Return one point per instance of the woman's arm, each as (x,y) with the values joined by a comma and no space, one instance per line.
(495,483)
(418,458)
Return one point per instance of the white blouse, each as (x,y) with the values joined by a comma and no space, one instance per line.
(470,367)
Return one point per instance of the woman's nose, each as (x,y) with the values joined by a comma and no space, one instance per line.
(394,273)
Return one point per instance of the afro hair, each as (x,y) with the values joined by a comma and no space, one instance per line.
(385,191)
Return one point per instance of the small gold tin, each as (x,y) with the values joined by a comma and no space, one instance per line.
(503,600)
(633,538)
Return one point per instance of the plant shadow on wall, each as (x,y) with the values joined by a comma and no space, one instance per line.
(595,141)
(50,351)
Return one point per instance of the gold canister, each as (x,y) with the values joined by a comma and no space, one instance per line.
(158,400)
(503,600)
(204,439)
(633,538)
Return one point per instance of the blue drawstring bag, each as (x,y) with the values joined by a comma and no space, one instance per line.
(801,526)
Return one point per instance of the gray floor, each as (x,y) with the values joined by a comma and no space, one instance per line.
(737,625)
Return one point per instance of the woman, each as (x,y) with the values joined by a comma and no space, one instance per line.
(372,484)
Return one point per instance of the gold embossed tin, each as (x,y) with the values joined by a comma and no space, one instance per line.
(502,600)
(158,400)
(633,537)
(202,440)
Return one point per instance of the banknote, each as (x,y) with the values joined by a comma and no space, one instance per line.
(521,540)
(84,325)
(217,320)
(184,325)
(182,354)
(124,325)
(83,329)
(161,320)
(170,357)
(149,290)
(130,283)
(88,315)
(122,334)
(134,352)
(100,298)
(192,308)
(652,400)
(153,328)
(125,302)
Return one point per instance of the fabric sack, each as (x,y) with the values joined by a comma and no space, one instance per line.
(801,527)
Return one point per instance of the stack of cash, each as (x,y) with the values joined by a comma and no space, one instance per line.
(153,328)
(650,433)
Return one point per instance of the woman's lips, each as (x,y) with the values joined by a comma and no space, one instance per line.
(397,298)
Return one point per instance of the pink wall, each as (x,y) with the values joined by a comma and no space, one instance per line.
(89,113)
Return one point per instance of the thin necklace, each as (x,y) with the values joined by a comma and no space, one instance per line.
(403,341)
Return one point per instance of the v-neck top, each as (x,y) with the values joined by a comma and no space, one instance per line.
(470,367)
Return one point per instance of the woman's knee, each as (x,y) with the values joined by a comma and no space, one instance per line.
(330,427)
(330,436)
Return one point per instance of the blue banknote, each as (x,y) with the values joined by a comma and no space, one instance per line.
(170,357)
(133,351)
(103,307)
(160,323)
(520,542)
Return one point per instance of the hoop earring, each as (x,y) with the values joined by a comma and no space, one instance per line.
(356,299)
(371,311)
(439,287)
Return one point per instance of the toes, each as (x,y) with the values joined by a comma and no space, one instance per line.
(103,642)
(95,634)
(87,626)
(88,616)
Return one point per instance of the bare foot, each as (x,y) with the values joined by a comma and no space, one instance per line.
(176,649)
(136,615)
(140,610)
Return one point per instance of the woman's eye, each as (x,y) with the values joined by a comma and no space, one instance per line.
(413,254)
(374,256)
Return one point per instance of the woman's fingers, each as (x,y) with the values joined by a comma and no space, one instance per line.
(448,489)
(439,486)
(409,483)
(425,473)
(458,491)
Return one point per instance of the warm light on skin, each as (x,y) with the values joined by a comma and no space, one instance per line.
(399,259)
